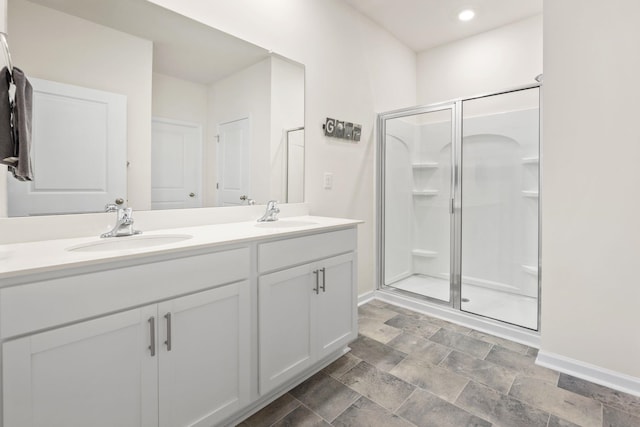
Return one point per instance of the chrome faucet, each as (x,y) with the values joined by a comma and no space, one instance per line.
(272,212)
(124,222)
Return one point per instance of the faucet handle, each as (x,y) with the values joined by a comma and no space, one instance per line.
(110,207)
(272,204)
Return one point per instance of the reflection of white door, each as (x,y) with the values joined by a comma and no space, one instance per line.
(234,179)
(79,151)
(176,164)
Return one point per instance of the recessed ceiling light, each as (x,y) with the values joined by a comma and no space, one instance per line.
(466,15)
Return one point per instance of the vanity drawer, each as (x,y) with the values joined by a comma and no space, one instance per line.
(299,250)
(48,303)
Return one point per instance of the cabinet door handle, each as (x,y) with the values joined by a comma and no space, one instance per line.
(168,341)
(324,281)
(152,334)
(317,288)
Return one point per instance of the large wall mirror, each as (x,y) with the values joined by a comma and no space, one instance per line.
(135,102)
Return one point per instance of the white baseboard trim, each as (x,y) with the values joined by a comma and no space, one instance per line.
(365,298)
(586,371)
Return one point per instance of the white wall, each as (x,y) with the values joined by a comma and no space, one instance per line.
(45,44)
(246,93)
(495,60)
(178,99)
(590,205)
(353,71)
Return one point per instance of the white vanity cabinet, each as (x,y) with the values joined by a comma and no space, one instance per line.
(184,361)
(308,311)
(201,336)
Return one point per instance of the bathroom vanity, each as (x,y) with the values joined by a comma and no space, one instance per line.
(200,331)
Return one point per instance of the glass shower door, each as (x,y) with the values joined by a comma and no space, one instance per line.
(417,184)
(499,207)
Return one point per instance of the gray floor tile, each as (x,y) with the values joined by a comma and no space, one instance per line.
(342,365)
(499,408)
(559,422)
(373,312)
(302,417)
(461,342)
(492,339)
(376,329)
(383,388)
(613,417)
(435,379)
(376,353)
(487,373)
(617,399)
(421,348)
(325,395)
(273,412)
(365,413)
(521,363)
(425,409)
(533,352)
(565,404)
(448,325)
(417,327)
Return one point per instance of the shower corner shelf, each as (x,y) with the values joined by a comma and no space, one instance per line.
(424,254)
(531,269)
(530,160)
(426,193)
(425,165)
(532,194)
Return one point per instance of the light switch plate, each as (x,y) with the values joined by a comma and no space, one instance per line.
(328,181)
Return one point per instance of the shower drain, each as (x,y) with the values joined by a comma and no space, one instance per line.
(465,300)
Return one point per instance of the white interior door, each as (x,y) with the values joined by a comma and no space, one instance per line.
(79,151)
(176,165)
(234,167)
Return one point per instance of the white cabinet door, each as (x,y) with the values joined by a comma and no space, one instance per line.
(285,313)
(98,373)
(305,313)
(204,342)
(337,315)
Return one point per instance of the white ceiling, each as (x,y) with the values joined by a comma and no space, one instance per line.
(423,24)
(182,47)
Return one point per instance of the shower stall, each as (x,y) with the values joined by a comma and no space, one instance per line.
(459,204)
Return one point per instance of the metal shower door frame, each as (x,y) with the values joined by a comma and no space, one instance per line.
(455,280)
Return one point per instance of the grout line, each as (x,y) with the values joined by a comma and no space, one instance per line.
(405,400)
(285,415)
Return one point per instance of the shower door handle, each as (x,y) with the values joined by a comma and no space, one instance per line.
(451,206)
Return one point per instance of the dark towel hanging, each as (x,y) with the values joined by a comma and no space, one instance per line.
(21,124)
(7,152)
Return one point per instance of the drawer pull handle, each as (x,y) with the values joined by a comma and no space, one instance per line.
(324,279)
(317,288)
(152,334)
(168,341)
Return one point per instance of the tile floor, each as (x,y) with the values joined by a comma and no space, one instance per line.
(407,369)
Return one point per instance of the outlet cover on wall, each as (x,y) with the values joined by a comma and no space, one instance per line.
(327,181)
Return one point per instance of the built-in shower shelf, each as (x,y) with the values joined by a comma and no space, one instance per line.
(424,254)
(426,193)
(530,160)
(531,269)
(425,165)
(532,194)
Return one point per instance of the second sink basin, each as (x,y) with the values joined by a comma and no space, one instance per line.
(132,242)
(284,223)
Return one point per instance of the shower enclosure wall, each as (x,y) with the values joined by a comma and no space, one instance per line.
(459,204)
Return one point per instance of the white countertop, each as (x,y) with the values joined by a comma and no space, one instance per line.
(21,259)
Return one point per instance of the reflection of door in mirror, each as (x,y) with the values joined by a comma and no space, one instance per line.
(79,145)
(234,171)
(176,164)
(295,166)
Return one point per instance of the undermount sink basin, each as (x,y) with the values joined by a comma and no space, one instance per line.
(284,223)
(130,242)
